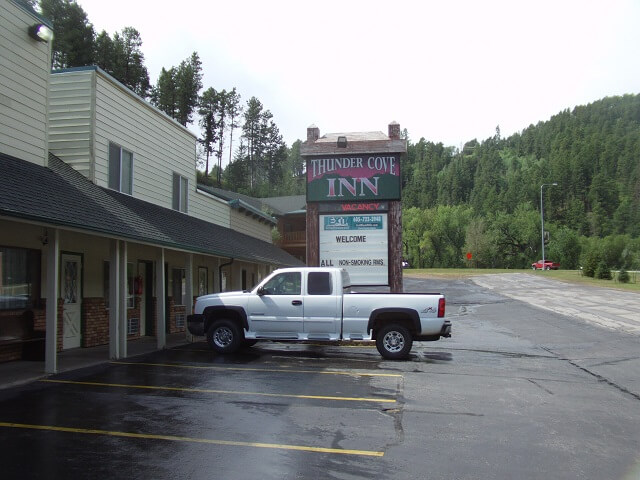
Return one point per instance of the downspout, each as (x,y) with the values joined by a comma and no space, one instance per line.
(220,272)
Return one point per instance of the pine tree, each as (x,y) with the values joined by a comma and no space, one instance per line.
(128,61)
(73,35)
(188,77)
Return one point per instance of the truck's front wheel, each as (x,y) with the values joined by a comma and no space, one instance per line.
(224,336)
(394,341)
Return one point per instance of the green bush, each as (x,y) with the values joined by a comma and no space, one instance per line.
(603,272)
(591,262)
(623,276)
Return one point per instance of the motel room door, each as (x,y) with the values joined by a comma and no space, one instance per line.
(71,270)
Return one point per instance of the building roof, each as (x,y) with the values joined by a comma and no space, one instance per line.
(278,205)
(357,143)
(353,136)
(57,195)
(29,9)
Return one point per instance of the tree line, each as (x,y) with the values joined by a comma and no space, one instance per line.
(261,165)
(485,198)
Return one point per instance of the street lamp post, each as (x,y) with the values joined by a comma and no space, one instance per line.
(542,217)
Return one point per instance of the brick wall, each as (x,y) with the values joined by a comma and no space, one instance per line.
(175,310)
(9,352)
(95,322)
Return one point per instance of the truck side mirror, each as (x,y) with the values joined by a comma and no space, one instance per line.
(261,291)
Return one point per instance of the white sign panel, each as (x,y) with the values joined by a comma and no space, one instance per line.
(357,243)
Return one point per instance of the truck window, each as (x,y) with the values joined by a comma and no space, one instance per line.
(287,283)
(319,283)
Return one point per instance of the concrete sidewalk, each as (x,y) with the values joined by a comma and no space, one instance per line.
(21,372)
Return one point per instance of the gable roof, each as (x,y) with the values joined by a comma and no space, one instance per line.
(58,195)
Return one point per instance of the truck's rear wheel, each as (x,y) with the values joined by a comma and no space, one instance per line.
(224,336)
(394,341)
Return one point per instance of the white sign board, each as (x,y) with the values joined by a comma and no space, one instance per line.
(357,243)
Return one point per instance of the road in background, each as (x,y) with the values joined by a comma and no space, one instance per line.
(605,307)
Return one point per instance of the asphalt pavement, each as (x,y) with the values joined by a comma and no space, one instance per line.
(518,392)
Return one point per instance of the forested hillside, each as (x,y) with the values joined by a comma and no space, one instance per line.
(485,199)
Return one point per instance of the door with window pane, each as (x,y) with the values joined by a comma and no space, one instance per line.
(70,290)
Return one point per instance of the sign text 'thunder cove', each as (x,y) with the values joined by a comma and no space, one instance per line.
(353,178)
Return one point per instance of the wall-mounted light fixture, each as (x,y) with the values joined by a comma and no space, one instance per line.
(342,142)
(41,32)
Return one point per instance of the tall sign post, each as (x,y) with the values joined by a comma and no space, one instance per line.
(354,213)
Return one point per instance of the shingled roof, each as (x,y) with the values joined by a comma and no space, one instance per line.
(58,195)
(279,206)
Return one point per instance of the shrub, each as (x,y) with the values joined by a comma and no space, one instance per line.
(623,276)
(603,272)
(591,263)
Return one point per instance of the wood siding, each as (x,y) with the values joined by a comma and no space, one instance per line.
(90,109)
(210,209)
(160,146)
(71,119)
(24,84)
(243,223)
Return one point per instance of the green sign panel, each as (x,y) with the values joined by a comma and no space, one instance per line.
(349,178)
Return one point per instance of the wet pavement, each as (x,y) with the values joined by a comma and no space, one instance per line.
(517,392)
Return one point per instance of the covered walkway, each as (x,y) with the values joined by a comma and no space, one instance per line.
(21,372)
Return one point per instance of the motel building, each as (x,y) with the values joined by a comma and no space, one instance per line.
(105,236)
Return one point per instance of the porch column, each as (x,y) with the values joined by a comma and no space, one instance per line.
(123,301)
(161,321)
(52,288)
(114,300)
(189,273)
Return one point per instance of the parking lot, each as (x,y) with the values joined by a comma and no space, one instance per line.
(507,397)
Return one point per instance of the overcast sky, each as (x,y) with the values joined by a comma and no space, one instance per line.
(449,71)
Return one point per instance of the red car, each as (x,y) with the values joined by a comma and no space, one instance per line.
(548,265)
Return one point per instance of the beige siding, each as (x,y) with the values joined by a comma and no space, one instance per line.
(160,146)
(210,209)
(71,120)
(243,223)
(24,83)
(89,109)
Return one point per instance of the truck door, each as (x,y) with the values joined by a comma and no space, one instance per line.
(277,312)
(322,307)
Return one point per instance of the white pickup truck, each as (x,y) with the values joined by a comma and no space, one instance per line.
(317,304)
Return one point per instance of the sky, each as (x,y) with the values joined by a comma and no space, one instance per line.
(448,71)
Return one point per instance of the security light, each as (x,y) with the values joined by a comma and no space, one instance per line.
(41,32)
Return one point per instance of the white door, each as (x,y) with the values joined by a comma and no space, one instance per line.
(71,269)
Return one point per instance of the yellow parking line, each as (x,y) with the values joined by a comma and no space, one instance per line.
(223,392)
(92,431)
(245,369)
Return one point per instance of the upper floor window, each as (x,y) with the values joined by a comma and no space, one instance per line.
(120,169)
(180,192)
